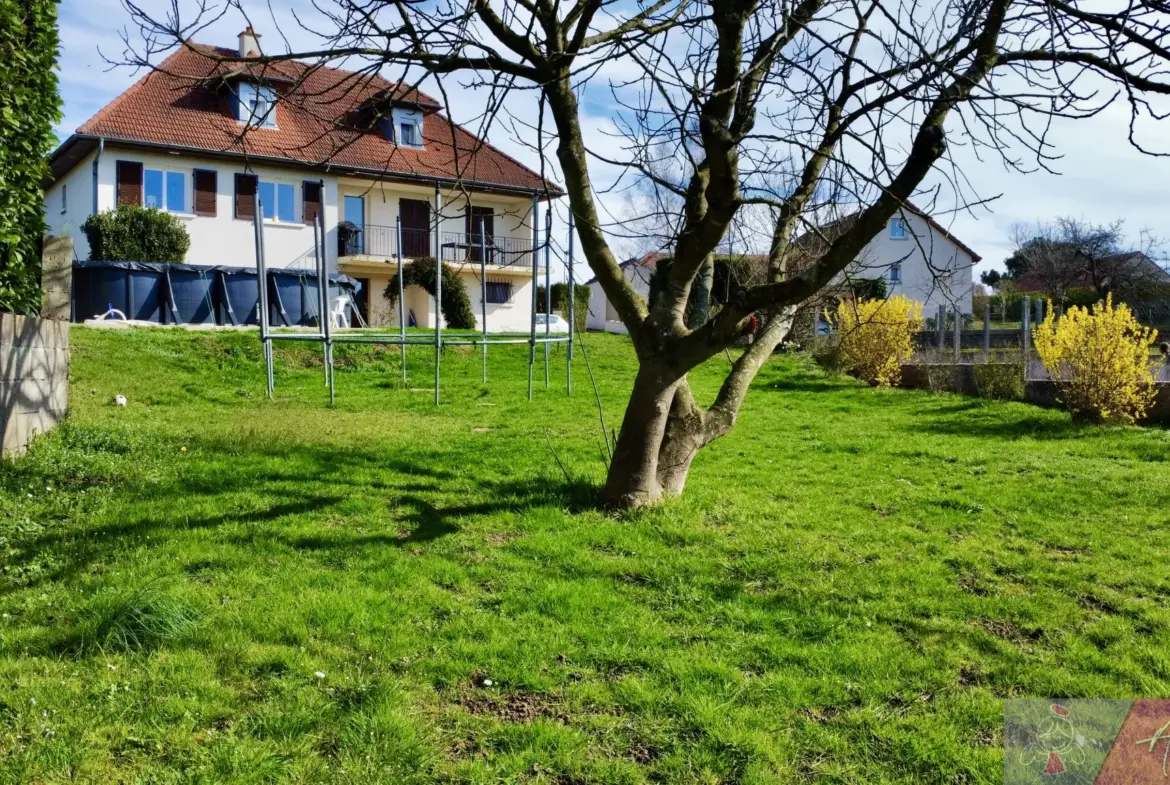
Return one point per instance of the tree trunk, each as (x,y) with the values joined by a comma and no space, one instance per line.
(633,472)
(685,435)
(700,299)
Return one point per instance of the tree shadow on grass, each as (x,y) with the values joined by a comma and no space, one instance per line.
(277,482)
(1033,426)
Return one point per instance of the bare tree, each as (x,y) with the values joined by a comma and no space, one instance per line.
(1070,253)
(791,105)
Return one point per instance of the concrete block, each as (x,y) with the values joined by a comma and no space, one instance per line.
(56,277)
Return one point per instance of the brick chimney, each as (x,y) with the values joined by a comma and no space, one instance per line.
(250,43)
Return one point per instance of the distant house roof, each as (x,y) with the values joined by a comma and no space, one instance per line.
(184,105)
(1144,267)
(650,260)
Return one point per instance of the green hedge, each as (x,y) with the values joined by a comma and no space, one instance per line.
(560,301)
(29,105)
(455,303)
(133,233)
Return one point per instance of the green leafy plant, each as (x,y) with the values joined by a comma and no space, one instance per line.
(560,301)
(133,233)
(29,106)
(455,303)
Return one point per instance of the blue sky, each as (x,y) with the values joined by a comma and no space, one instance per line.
(1101,178)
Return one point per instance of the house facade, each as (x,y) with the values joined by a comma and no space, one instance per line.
(915,256)
(386,170)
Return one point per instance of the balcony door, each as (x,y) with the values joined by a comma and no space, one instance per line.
(416,227)
(355,213)
(480,217)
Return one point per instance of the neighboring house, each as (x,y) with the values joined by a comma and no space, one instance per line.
(638,272)
(915,255)
(199,138)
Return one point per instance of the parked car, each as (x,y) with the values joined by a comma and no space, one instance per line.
(556,324)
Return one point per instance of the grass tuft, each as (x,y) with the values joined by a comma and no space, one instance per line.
(137,620)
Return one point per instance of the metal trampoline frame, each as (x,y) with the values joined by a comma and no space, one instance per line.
(327,338)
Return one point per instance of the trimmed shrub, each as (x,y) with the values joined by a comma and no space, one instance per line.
(1099,358)
(999,381)
(455,303)
(133,233)
(560,302)
(29,105)
(876,337)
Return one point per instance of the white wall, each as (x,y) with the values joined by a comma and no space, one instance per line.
(78,187)
(222,239)
(514,316)
(934,270)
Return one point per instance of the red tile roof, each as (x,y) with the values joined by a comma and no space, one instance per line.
(178,105)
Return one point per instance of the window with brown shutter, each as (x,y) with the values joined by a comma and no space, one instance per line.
(206,187)
(310,200)
(245,196)
(129,175)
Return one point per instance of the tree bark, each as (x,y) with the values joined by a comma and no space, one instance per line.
(633,472)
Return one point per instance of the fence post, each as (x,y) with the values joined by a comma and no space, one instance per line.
(941,326)
(987,329)
(1025,336)
(1039,311)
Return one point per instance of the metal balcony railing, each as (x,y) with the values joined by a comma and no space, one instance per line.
(455,247)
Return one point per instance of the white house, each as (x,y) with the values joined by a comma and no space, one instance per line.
(915,255)
(198,138)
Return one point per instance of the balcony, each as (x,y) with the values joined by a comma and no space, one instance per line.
(381,242)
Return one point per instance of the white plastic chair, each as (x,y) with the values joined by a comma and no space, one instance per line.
(338,313)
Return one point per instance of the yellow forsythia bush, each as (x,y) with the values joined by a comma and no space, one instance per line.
(1100,359)
(876,337)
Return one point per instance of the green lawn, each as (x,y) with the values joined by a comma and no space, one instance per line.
(207,586)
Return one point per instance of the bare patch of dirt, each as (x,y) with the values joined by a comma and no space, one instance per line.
(820,715)
(521,708)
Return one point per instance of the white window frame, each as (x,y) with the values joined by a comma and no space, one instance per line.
(402,118)
(898,229)
(276,183)
(896,273)
(246,105)
(188,188)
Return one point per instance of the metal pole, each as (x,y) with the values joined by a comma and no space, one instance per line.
(547,289)
(262,291)
(987,329)
(941,327)
(438,288)
(323,283)
(401,303)
(572,313)
(320,301)
(958,336)
(483,291)
(535,262)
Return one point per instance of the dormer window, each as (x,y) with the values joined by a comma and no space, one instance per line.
(256,105)
(410,135)
(403,126)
